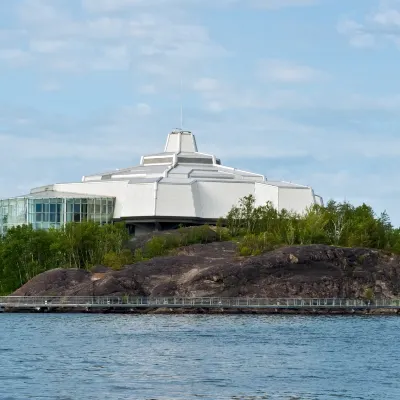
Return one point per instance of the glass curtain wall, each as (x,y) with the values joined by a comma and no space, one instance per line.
(49,213)
(12,213)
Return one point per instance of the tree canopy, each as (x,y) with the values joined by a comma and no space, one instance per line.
(25,252)
(342,224)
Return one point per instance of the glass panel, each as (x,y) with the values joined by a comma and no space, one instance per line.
(13,212)
(53,212)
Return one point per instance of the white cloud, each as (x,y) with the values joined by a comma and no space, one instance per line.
(214,106)
(143,109)
(148,89)
(112,58)
(57,40)
(219,96)
(206,85)
(36,12)
(48,46)
(287,72)
(50,86)
(275,4)
(387,18)
(377,27)
(14,57)
(356,33)
(107,6)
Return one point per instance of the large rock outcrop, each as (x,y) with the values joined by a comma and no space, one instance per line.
(215,270)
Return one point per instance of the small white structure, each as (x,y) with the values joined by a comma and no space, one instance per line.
(178,186)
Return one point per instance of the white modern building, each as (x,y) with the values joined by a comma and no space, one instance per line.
(178,186)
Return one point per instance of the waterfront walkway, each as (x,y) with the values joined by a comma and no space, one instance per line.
(239,303)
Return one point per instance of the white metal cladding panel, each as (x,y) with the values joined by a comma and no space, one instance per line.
(215,199)
(265,193)
(297,200)
(173,143)
(187,143)
(139,200)
(100,188)
(175,200)
(113,189)
(319,200)
(42,188)
(91,178)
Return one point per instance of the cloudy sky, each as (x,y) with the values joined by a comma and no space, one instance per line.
(301,90)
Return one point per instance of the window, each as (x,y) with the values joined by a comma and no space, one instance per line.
(158,160)
(195,160)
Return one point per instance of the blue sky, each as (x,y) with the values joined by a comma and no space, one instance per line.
(300,90)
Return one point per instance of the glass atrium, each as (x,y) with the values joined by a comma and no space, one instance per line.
(54,212)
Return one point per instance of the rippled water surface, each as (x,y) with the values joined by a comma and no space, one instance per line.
(79,357)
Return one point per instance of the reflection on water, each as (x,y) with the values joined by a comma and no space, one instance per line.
(79,357)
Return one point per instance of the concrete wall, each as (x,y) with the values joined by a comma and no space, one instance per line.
(295,199)
(139,200)
(187,143)
(175,200)
(215,199)
(264,193)
(173,143)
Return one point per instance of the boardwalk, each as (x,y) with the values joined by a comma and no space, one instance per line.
(119,303)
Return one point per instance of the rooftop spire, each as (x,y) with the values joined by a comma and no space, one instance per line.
(181,106)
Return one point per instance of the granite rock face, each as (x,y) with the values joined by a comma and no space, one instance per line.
(215,270)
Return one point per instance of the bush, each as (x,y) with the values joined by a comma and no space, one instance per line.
(254,245)
(117,261)
(155,247)
(369,294)
(244,251)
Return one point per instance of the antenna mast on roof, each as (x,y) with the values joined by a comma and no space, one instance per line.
(181,107)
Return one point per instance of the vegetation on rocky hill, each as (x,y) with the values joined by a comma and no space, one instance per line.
(262,228)
(24,253)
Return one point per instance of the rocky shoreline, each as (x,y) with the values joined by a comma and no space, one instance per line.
(215,270)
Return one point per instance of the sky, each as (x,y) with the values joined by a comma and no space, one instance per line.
(306,91)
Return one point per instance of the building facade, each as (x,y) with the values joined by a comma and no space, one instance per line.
(177,186)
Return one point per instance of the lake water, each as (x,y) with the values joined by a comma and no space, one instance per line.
(86,356)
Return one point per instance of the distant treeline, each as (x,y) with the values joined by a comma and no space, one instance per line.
(25,252)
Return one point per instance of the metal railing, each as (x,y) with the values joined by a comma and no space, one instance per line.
(190,302)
